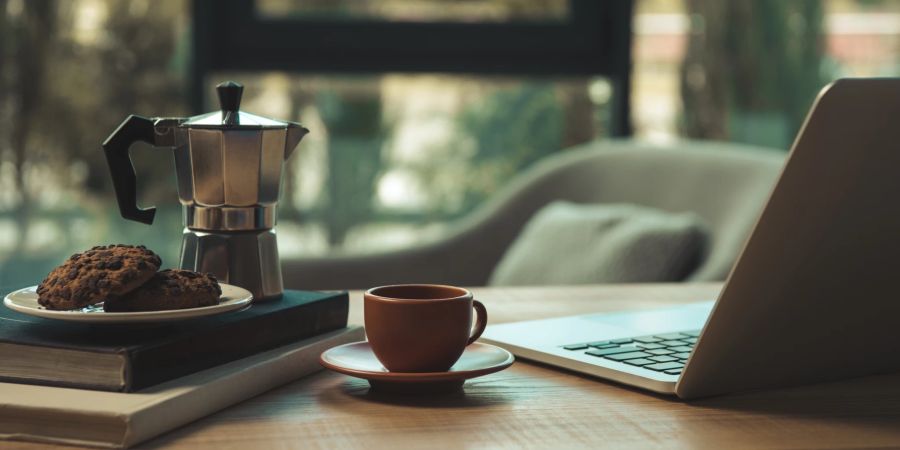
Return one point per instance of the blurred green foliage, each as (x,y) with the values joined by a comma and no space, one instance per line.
(354,159)
(504,147)
(65,84)
(752,69)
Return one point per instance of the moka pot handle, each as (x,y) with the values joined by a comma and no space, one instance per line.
(133,129)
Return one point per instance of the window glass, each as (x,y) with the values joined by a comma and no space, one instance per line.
(748,71)
(391,159)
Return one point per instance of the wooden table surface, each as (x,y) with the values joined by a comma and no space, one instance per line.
(529,405)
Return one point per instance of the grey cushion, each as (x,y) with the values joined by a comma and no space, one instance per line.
(568,243)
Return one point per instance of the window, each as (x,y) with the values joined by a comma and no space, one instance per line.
(443,103)
(420,108)
(379,81)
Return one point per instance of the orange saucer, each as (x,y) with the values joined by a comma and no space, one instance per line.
(357,360)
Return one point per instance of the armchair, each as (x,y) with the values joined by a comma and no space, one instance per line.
(725,184)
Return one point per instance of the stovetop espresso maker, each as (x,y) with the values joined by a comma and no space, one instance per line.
(228,165)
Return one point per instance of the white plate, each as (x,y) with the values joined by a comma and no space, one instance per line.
(25,301)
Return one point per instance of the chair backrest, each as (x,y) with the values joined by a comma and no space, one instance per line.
(725,184)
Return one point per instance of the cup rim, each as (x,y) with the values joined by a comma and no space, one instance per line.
(371,294)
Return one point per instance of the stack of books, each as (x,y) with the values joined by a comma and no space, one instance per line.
(116,386)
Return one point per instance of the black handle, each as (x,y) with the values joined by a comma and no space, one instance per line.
(133,129)
(230,101)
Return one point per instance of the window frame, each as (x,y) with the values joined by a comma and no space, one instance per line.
(595,40)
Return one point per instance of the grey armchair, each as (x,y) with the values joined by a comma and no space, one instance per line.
(725,184)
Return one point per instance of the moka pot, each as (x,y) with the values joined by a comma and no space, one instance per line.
(228,165)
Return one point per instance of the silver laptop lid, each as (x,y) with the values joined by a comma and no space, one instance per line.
(815,294)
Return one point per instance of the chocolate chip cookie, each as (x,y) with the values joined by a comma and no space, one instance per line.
(169,289)
(97,274)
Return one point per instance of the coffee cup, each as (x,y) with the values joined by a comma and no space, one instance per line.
(421,327)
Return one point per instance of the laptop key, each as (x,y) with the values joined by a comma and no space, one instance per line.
(664,366)
(663,358)
(647,339)
(606,346)
(660,351)
(621,341)
(672,343)
(692,340)
(611,351)
(575,347)
(630,355)
(682,355)
(598,343)
(673,371)
(670,336)
(651,346)
(638,361)
(682,348)
(694,333)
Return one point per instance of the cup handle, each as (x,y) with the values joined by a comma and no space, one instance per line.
(480,322)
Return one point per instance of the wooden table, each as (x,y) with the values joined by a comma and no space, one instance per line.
(534,406)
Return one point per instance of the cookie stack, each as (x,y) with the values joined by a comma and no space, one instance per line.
(125,278)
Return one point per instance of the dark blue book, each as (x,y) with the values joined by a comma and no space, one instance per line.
(132,357)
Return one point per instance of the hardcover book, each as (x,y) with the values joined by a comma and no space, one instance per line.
(117,419)
(132,357)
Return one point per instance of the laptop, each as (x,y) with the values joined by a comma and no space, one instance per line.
(813,296)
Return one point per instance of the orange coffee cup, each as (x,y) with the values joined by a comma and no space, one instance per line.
(421,327)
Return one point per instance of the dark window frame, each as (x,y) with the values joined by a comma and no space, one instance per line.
(595,40)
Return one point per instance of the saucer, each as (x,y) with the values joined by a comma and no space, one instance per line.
(25,301)
(357,360)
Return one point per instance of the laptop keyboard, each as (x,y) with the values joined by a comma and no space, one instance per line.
(665,352)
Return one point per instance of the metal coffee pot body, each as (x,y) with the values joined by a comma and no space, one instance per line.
(228,166)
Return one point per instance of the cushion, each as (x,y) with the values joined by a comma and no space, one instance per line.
(567,243)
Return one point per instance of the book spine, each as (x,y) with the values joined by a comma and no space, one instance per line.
(150,366)
(55,426)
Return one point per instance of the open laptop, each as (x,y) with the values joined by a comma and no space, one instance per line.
(814,295)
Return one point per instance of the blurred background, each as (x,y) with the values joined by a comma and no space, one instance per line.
(398,151)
